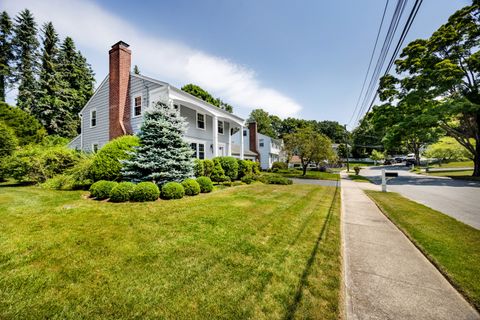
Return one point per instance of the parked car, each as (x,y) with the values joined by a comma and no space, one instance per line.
(399,159)
(410,159)
(388,162)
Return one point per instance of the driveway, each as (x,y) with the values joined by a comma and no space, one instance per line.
(458,198)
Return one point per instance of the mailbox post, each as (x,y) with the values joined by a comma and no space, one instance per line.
(387,176)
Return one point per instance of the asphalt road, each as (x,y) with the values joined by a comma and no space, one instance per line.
(457,198)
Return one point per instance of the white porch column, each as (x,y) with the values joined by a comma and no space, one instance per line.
(215,136)
(242,147)
(229,150)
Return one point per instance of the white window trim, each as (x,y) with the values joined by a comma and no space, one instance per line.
(92,146)
(197,151)
(137,95)
(90,119)
(204,121)
(223,126)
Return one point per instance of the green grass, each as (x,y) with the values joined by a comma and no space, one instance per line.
(358,178)
(450,173)
(451,245)
(358,164)
(454,164)
(294,173)
(257,251)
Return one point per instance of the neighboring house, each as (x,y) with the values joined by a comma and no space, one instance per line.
(267,149)
(118,105)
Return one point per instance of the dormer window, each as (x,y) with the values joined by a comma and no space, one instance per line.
(93,118)
(137,106)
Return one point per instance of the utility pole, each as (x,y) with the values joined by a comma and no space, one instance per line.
(346,147)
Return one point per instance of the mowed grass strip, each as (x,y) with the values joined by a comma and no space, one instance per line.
(451,245)
(310,174)
(258,251)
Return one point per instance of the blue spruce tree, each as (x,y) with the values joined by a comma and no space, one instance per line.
(163,155)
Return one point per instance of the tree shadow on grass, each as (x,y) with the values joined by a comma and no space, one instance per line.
(5,184)
(306,272)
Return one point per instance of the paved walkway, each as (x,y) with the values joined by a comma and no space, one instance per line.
(386,276)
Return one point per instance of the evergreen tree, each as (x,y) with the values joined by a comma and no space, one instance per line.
(6,53)
(25,45)
(163,155)
(51,108)
(136,70)
(78,77)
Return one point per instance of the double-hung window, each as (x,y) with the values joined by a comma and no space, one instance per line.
(137,106)
(93,118)
(201,121)
(220,127)
(198,150)
(261,143)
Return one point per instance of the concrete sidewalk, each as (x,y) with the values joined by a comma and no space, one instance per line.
(386,276)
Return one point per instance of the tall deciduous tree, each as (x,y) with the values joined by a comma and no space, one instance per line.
(446,69)
(264,122)
(25,46)
(6,53)
(200,93)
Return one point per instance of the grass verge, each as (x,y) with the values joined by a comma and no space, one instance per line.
(257,251)
(451,245)
(293,173)
(358,178)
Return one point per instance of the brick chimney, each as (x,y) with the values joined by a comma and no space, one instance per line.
(252,127)
(119,87)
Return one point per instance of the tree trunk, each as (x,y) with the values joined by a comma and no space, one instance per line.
(476,160)
(304,168)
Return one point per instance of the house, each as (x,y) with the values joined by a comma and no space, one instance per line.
(267,149)
(117,108)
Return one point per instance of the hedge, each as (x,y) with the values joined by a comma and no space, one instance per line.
(191,186)
(205,184)
(145,191)
(101,189)
(172,190)
(122,192)
(229,166)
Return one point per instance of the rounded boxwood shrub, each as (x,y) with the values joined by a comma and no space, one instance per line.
(207,167)
(248,179)
(198,168)
(191,187)
(145,191)
(101,189)
(172,190)
(244,168)
(122,192)
(278,165)
(107,164)
(205,184)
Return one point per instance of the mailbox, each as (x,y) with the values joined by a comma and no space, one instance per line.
(391,174)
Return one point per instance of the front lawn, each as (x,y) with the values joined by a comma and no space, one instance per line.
(451,245)
(257,251)
(358,178)
(453,164)
(295,173)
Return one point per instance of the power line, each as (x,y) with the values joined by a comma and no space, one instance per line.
(370,62)
(406,28)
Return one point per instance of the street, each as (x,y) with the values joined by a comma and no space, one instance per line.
(458,198)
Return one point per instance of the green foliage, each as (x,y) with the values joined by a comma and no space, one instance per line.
(357,170)
(198,168)
(205,184)
(245,167)
(218,175)
(276,179)
(248,179)
(145,191)
(191,187)
(100,190)
(122,192)
(37,163)
(264,122)
(27,129)
(279,165)
(163,154)
(200,93)
(8,141)
(377,155)
(107,163)
(6,53)
(172,190)
(229,166)
(208,167)
(256,169)
(25,46)
(447,149)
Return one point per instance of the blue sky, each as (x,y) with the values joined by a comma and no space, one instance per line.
(293,58)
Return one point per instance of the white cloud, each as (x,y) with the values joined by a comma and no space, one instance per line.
(94,28)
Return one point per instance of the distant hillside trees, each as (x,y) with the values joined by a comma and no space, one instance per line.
(53,80)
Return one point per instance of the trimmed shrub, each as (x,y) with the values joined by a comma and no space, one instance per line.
(218,175)
(205,184)
(101,189)
(275,179)
(248,179)
(278,165)
(198,168)
(357,170)
(145,191)
(107,162)
(207,167)
(172,190)
(256,168)
(245,167)
(122,192)
(229,166)
(191,186)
